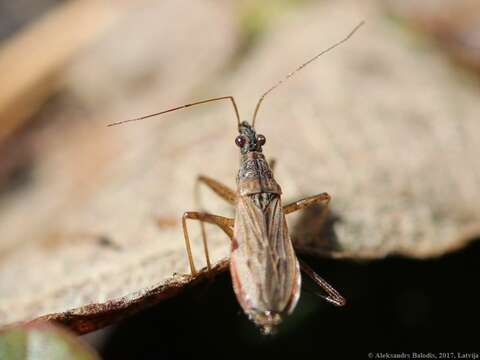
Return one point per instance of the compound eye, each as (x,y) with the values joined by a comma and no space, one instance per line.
(261,140)
(240,141)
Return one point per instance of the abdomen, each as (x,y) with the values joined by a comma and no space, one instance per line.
(264,268)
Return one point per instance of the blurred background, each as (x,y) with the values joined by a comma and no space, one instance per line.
(387,124)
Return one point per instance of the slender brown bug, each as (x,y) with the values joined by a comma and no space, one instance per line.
(264,268)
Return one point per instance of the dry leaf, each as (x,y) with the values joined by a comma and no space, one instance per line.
(454,24)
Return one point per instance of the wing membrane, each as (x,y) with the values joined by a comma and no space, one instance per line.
(263,259)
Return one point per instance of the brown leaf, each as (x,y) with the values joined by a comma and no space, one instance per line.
(454,24)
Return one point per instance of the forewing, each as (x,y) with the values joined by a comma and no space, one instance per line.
(264,266)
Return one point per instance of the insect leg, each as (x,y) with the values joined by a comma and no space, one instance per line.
(222,222)
(218,188)
(307,202)
(271,164)
(332,295)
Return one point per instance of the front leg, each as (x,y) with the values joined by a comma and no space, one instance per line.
(272,164)
(217,187)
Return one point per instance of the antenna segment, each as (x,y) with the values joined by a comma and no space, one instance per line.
(289,75)
(182,107)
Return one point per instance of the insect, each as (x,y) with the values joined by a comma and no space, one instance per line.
(264,269)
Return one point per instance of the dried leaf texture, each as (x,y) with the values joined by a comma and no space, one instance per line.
(454,25)
(383,124)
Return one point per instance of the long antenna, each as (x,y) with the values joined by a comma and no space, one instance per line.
(182,107)
(289,75)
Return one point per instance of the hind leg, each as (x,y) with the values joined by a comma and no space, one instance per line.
(332,295)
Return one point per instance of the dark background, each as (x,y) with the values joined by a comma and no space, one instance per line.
(394,305)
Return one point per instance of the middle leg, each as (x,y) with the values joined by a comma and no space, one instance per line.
(223,223)
(307,202)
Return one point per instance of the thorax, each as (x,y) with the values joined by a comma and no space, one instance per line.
(255,175)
